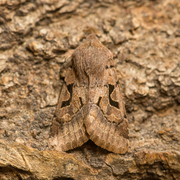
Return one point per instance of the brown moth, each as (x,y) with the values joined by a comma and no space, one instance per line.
(90,104)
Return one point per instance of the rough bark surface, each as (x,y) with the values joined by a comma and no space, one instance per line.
(36,40)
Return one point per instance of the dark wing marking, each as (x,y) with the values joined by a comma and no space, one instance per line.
(106,121)
(68,130)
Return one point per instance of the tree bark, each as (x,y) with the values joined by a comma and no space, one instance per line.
(36,38)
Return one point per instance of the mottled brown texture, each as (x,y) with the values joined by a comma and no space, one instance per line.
(37,38)
(90,104)
(21,162)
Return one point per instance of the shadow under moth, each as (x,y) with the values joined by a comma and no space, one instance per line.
(90,104)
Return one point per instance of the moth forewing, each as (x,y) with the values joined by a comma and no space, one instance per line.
(90,104)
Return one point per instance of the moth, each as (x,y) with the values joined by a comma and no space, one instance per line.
(90,104)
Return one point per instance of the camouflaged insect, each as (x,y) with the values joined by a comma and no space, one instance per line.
(90,104)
